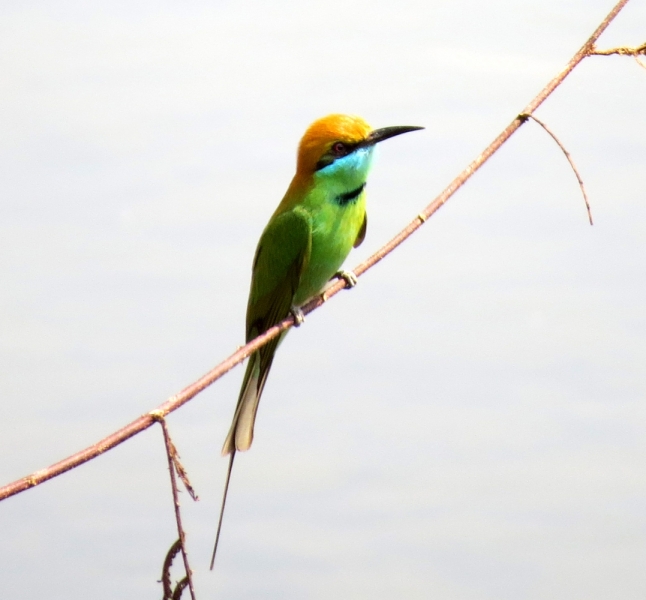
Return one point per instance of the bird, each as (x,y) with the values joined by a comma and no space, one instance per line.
(317,223)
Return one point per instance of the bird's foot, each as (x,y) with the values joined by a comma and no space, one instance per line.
(348,276)
(299,317)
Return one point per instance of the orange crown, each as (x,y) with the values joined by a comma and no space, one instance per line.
(321,134)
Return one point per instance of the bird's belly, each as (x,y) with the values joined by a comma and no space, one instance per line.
(332,239)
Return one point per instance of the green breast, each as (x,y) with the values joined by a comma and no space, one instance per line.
(335,227)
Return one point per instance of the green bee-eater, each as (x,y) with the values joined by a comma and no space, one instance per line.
(320,219)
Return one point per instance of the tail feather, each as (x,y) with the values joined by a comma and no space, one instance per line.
(224,501)
(249,408)
(240,433)
(247,415)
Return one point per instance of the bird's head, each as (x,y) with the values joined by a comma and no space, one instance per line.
(341,142)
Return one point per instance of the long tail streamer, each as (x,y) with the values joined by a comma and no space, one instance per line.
(224,501)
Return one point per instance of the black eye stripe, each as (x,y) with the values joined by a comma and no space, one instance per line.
(330,156)
(325,161)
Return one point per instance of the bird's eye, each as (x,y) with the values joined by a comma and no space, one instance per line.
(339,149)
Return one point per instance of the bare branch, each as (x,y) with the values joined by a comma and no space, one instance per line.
(569,158)
(174,455)
(173,403)
(623,51)
(179,588)
(170,451)
(168,562)
(639,61)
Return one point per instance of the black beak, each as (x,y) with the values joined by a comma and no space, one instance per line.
(379,135)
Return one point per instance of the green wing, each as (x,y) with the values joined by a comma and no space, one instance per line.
(281,257)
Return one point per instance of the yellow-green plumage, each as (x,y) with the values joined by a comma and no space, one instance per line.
(305,242)
(320,219)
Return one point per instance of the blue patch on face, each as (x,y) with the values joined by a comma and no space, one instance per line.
(353,166)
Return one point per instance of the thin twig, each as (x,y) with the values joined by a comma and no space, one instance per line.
(183,475)
(170,450)
(168,562)
(179,468)
(639,61)
(179,588)
(622,50)
(569,158)
(174,402)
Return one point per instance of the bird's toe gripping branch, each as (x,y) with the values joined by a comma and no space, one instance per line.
(299,317)
(349,277)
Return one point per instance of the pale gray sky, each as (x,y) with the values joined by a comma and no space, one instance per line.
(468,423)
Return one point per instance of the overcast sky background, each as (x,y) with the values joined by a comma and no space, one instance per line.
(468,423)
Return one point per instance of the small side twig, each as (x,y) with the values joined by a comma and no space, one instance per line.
(179,588)
(168,561)
(623,51)
(171,454)
(174,456)
(567,155)
(169,592)
(639,61)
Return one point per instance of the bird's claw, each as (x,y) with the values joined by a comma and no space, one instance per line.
(349,277)
(299,317)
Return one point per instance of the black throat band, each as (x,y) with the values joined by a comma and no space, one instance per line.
(351,196)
